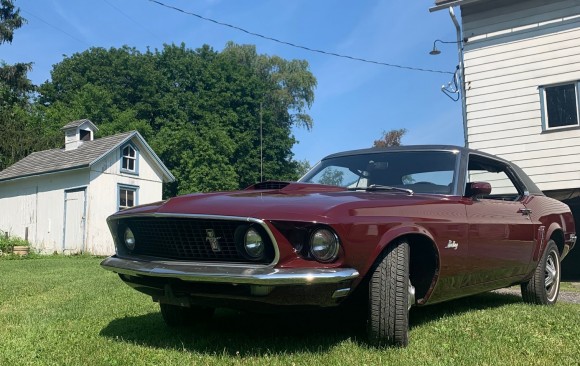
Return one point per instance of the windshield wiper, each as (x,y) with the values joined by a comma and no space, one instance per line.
(378,187)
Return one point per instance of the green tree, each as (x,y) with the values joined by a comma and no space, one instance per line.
(21,128)
(302,167)
(332,177)
(201,110)
(10,20)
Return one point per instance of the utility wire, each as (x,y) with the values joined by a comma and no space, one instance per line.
(55,27)
(297,45)
(133,20)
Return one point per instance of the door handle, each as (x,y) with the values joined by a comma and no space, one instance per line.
(525,211)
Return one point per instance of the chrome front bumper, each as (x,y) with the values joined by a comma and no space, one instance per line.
(198,272)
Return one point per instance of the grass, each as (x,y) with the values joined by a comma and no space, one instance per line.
(570,286)
(68,311)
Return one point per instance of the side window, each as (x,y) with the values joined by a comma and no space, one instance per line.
(560,105)
(127,196)
(129,159)
(497,174)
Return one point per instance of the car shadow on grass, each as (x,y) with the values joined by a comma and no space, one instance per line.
(246,334)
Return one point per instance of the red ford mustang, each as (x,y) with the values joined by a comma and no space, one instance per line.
(400,227)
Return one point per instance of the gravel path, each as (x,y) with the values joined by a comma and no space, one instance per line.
(564,296)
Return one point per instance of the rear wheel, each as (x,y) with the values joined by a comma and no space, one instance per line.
(179,316)
(390,298)
(544,286)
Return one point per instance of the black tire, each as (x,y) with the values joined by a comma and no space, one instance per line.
(544,286)
(179,316)
(388,316)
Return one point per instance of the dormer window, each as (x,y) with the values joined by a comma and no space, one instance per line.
(85,135)
(129,163)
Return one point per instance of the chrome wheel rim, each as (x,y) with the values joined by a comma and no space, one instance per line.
(411,296)
(552,275)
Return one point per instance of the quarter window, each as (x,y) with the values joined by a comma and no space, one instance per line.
(129,159)
(127,197)
(560,105)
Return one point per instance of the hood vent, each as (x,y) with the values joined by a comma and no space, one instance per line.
(269,185)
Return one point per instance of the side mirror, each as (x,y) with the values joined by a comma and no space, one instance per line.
(475,189)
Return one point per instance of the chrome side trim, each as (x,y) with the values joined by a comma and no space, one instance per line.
(199,272)
(262,223)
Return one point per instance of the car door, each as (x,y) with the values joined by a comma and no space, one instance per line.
(500,231)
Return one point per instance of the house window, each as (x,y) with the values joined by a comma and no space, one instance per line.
(127,196)
(129,161)
(560,106)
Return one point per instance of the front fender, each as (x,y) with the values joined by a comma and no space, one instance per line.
(393,234)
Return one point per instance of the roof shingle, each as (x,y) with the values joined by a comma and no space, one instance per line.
(55,160)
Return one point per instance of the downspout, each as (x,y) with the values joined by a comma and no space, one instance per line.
(461,75)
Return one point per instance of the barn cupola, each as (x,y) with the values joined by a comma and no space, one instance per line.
(77,132)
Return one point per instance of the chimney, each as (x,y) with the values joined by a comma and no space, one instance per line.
(77,132)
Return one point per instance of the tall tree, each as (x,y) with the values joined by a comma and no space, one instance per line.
(390,138)
(10,20)
(201,110)
(19,123)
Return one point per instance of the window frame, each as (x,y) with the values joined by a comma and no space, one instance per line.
(504,167)
(135,159)
(544,110)
(127,187)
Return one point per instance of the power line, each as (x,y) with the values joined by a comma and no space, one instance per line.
(133,20)
(55,27)
(297,45)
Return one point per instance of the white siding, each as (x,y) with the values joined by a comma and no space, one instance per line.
(102,197)
(37,204)
(511,52)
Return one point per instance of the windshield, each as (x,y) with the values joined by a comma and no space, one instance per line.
(419,171)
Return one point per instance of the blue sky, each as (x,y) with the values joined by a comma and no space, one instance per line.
(354,101)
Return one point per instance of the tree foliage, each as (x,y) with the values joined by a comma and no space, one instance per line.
(302,167)
(200,110)
(331,177)
(10,20)
(390,138)
(21,131)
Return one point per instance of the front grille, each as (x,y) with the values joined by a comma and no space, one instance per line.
(188,239)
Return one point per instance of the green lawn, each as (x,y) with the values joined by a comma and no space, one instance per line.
(68,311)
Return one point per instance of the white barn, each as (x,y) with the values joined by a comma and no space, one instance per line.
(522,78)
(59,199)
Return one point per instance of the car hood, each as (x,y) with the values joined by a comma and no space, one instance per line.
(293,201)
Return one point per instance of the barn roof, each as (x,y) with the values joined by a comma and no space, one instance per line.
(58,160)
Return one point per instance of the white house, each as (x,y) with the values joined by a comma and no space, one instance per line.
(522,79)
(59,199)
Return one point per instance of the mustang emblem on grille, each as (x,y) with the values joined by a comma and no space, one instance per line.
(213,240)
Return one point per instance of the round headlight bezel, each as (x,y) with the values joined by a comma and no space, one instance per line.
(329,240)
(254,244)
(129,239)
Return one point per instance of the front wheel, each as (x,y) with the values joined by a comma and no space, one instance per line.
(544,286)
(390,298)
(179,316)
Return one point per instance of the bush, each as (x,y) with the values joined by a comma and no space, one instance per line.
(6,244)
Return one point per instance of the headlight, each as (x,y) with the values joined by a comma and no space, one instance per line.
(254,244)
(129,239)
(324,245)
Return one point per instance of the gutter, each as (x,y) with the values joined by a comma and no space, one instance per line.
(452,3)
(44,173)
